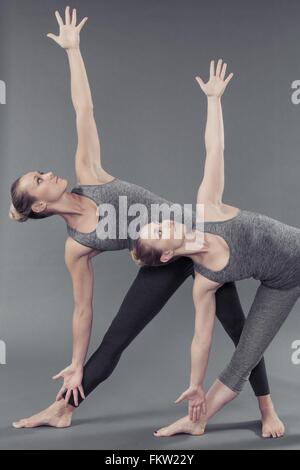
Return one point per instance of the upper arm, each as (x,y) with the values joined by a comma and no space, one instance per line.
(79,263)
(88,153)
(212,186)
(204,302)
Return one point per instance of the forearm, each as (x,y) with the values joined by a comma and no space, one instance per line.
(82,326)
(214,131)
(80,89)
(199,359)
(205,312)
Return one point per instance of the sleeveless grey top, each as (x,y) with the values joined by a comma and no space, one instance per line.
(109,193)
(260,247)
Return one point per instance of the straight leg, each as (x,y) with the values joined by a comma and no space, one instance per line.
(269,310)
(230,313)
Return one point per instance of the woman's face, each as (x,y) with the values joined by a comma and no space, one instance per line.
(164,236)
(43,186)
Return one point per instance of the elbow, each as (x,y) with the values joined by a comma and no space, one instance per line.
(84,108)
(83,311)
(201,342)
(214,148)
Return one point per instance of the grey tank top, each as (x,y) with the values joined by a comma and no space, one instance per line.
(109,193)
(260,247)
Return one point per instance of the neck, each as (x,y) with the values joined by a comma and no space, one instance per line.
(68,206)
(194,246)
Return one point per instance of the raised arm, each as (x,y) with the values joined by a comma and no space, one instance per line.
(204,301)
(88,164)
(212,186)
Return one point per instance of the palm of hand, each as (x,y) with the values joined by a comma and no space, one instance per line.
(217,82)
(214,87)
(195,398)
(68,37)
(72,378)
(69,33)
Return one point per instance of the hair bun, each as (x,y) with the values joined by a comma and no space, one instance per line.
(15,215)
(137,261)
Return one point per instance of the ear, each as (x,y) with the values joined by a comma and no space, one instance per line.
(166,256)
(38,206)
(205,246)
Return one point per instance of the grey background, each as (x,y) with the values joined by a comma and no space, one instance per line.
(141,57)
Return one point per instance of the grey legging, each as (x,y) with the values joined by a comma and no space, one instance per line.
(268,311)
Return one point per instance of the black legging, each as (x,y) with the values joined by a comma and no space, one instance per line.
(149,292)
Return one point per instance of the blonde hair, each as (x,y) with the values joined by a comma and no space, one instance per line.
(15,215)
(20,208)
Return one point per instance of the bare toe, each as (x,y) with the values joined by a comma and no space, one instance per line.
(161,432)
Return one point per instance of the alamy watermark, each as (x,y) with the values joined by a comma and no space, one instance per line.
(2,92)
(127,221)
(2,343)
(295,357)
(295,97)
(2,352)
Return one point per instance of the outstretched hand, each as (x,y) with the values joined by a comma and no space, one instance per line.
(68,37)
(72,377)
(217,83)
(197,402)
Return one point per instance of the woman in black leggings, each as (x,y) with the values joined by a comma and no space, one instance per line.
(37,195)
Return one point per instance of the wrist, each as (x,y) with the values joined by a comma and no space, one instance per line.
(69,50)
(76,365)
(213,97)
(195,384)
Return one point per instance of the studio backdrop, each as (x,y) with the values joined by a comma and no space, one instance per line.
(141,58)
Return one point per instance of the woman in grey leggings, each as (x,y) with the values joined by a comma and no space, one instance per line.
(232,244)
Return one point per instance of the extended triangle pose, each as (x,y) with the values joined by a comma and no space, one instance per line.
(36,195)
(233,244)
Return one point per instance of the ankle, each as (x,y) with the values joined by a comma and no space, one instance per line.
(202,425)
(69,409)
(265,403)
(63,407)
(267,409)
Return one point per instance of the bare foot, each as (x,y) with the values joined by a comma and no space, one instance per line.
(183,425)
(272,426)
(57,415)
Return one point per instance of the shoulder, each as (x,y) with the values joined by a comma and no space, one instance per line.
(218,211)
(202,286)
(74,251)
(85,175)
